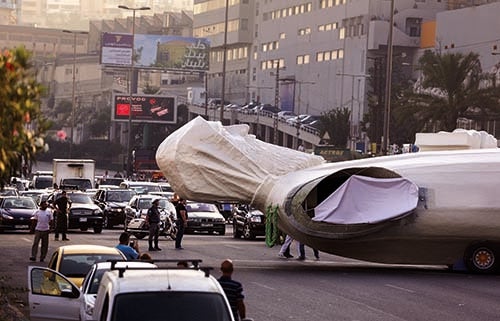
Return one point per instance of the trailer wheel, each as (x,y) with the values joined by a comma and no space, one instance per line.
(482,258)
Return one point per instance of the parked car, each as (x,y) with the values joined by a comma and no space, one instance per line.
(9,191)
(115,181)
(139,204)
(135,294)
(16,212)
(297,119)
(248,222)
(112,203)
(136,211)
(285,114)
(141,187)
(74,261)
(41,181)
(83,213)
(37,195)
(204,217)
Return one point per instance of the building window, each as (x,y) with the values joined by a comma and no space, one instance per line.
(342,33)
(302,59)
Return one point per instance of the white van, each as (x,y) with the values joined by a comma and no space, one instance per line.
(161,294)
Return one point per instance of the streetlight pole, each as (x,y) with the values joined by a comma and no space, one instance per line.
(388,84)
(224,62)
(73,97)
(351,126)
(131,76)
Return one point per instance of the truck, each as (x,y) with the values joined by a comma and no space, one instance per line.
(74,173)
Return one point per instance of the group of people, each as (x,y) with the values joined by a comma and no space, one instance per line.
(153,221)
(285,250)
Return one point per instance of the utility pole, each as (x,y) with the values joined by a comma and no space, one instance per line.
(73,96)
(131,90)
(388,84)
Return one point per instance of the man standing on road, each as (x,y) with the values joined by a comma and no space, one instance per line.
(233,290)
(43,218)
(62,205)
(182,218)
(153,220)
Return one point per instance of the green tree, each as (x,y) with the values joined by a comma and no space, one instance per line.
(23,126)
(452,86)
(335,122)
(100,124)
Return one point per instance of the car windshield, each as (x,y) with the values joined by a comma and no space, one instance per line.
(80,183)
(200,207)
(80,198)
(94,284)
(181,306)
(19,202)
(145,203)
(120,196)
(78,265)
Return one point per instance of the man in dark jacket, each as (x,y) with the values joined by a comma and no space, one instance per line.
(62,205)
(153,220)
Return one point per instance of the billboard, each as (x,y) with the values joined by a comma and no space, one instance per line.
(116,49)
(145,109)
(156,51)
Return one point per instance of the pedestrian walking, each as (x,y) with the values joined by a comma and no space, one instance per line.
(44,219)
(302,252)
(285,248)
(62,205)
(153,220)
(182,217)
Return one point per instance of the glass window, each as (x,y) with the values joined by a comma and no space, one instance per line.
(209,306)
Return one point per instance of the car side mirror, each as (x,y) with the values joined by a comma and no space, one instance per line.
(68,293)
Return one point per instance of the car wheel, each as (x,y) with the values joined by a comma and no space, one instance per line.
(247,232)
(84,229)
(173,234)
(482,258)
(107,223)
(236,232)
(222,231)
(98,229)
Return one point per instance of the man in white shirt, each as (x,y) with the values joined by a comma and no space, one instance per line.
(43,218)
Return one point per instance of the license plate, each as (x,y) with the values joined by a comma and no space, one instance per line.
(83,219)
(206,224)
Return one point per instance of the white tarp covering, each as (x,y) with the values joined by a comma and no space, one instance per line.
(362,200)
(204,160)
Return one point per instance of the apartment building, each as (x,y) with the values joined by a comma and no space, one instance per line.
(307,56)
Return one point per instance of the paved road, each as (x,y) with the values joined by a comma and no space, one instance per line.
(333,288)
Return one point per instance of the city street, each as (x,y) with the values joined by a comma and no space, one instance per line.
(333,288)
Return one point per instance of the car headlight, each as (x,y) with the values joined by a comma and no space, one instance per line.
(97,212)
(115,209)
(7,216)
(255,219)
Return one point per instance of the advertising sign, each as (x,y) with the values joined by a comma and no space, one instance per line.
(156,51)
(145,109)
(116,49)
